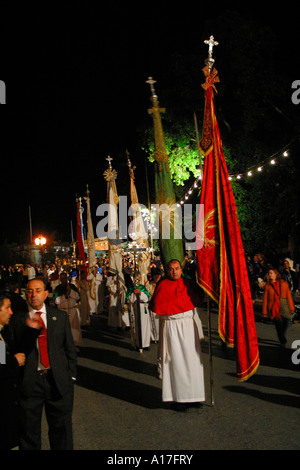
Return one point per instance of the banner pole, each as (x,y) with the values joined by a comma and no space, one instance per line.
(211,375)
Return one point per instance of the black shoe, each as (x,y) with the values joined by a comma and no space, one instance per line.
(179,407)
(195,405)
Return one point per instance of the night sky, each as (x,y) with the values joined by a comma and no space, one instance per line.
(75,79)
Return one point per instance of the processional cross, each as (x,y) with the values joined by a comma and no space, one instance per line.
(211,43)
(156,110)
(110,174)
(160,154)
(151,83)
(109,159)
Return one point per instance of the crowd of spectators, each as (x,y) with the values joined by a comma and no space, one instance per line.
(258,266)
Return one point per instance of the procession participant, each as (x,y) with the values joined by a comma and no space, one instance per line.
(66,296)
(176,300)
(151,286)
(117,317)
(156,276)
(95,279)
(84,307)
(101,288)
(138,297)
(54,278)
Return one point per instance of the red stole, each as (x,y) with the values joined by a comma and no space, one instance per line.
(171,297)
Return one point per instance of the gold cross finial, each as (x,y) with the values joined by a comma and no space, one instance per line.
(151,83)
(211,43)
(109,159)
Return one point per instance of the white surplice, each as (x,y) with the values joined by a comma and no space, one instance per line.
(181,358)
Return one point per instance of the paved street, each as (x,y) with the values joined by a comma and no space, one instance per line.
(118,397)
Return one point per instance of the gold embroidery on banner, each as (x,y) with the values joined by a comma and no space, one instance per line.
(206,143)
(205,226)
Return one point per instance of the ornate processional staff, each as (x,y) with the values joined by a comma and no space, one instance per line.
(171,246)
(160,153)
(209,65)
(210,73)
(205,146)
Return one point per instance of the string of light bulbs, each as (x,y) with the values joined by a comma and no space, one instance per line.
(251,170)
(238,176)
(272,160)
(190,191)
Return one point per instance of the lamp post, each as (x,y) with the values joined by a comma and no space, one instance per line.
(40,242)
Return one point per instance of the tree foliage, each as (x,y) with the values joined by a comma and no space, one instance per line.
(182,152)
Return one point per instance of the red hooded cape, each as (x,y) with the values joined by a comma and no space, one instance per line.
(171,297)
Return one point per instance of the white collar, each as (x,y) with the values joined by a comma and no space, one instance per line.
(43,310)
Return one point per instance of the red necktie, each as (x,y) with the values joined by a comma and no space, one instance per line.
(43,344)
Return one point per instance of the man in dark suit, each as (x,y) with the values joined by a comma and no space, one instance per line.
(10,366)
(47,381)
(18,304)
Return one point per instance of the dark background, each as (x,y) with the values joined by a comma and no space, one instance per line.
(75,77)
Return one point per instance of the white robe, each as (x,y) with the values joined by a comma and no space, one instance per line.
(93,302)
(117,315)
(154,320)
(144,316)
(70,306)
(181,361)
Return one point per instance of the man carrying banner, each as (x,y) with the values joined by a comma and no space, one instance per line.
(176,300)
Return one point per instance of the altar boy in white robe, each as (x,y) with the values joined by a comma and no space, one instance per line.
(176,300)
(138,298)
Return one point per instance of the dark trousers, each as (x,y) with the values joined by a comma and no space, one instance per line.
(281,326)
(58,412)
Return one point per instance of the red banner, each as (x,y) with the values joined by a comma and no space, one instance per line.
(221,264)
